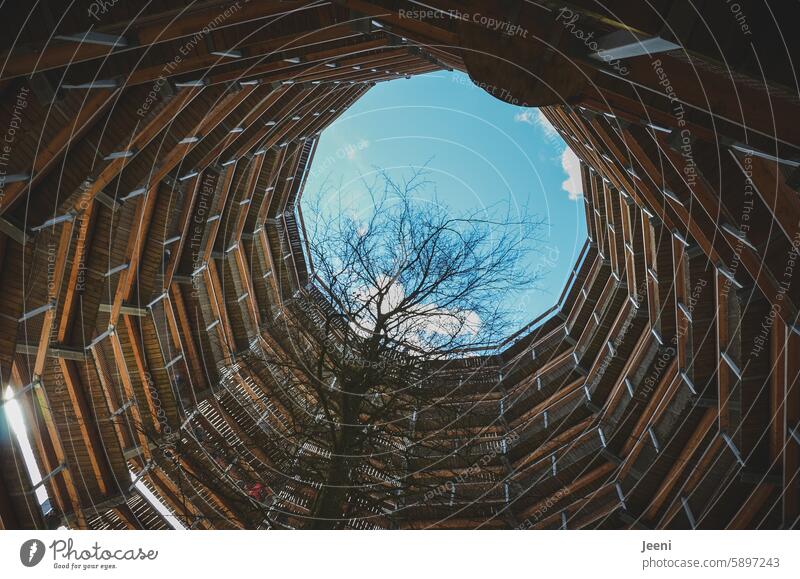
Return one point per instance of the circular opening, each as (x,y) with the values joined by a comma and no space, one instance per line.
(476,155)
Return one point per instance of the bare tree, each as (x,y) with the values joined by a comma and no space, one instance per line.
(367,358)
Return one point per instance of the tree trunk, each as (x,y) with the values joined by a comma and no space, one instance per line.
(328,508)
(327,511)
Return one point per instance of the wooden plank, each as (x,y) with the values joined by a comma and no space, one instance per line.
(778,389)
(681,462)
(255,49)
(701,467)
(171,25)
(146,204)
(133,254)
(724,385)
(249,120)
(87,427)
(217,299)
(265,247)
(53,292)
(750,507)
(781,200)
(155,123)
(92,108)
(569,489)
(227,182)
(112,403)
(253,175)
(142,369)
(197,371)
(178,341)
(127,386)
(244,275)
(709,200)
(183,226)
(127,517)
(248,441)
(86,219)
(429,32)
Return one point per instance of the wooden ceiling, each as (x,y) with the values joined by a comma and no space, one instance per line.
(148,230)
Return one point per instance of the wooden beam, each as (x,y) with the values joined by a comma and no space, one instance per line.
(125,310)
(248,441)
(724,380)
(113,404)
(217,299)
(127,517)
(194,359)
(256,48)
(52,352)
(782,201)
(92,108)
(86,219)
(171,494)
(701,467)
(142,369)
(153,125)
(568,491)
(244,276)
(227,182)
(127,386)
(751,506)
(146,205)
(681,462)
(133,254)
(53,292)
(87,427)
(249,122)
(169,26)
(254,172)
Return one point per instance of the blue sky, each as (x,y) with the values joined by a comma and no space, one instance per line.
(478,150)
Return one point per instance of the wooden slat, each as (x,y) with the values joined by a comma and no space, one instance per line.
(91,109)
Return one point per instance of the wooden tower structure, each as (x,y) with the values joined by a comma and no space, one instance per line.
(150,173)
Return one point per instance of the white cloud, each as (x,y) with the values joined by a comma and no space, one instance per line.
(572,167)
(536,118)
(525,117)
(569,161)
(422,320)
(549,130)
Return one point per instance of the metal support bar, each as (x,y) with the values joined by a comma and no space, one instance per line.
(122,408)
(90,37)
(117,269)
(174,361)
(620,495)
(733,448)
(50,475)
(120,155)
(67,217)
(35,312)
(688,510)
